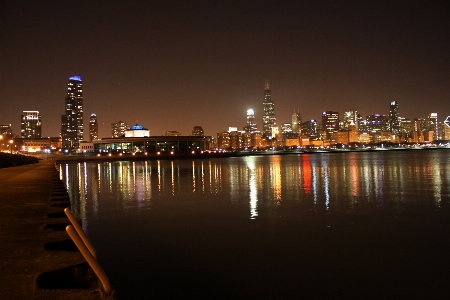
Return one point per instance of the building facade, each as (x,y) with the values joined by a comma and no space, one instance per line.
(137,131)
(251,124)
(31,125)
(330,123)
(432,125)
(350,118)
(377,123)
(296,120)
(5,129)
(152,145)
(394,118)
(118,129)
(269,119)
(93,128)
(309,129)
(198,131)
(72,120)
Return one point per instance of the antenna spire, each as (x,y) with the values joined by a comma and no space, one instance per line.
(267,85)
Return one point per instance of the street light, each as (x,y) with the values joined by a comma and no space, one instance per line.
(11,142)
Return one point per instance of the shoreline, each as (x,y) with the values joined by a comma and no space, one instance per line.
(206,155)
(39,260)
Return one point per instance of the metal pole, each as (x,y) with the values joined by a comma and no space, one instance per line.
(89,258)
(80,232)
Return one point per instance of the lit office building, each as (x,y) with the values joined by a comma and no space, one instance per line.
(350,117)
(377,123)
(405,128)
(269,119)
(5,129)
(295,122)
(31,125)
(309,128)
(287,132)
(118,129)
(223,140)
(432,125)
(251,125)
(361,124)
(444,129)
(198,131)
(93,128)
(330,123)
(394,119)
(72,120)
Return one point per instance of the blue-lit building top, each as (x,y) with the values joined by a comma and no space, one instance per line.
(138,127)
(76,78)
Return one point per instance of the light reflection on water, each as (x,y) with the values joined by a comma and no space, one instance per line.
(325,182)
(289,226)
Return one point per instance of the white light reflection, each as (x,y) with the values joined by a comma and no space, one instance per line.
(147,182)
(437,184)
(134,176)
(218,177)
(234,184)
(172,178)
(253,187)
(159,176)
(326,182)
(210,177)
(67,176)
(314,181)
(193,176)
(110,177)
(275,177)
(82,194)
(203,177)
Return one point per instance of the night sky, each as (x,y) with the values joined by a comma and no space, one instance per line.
(171,65)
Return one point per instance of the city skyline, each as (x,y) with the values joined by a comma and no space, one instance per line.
(76,132)
(172,67)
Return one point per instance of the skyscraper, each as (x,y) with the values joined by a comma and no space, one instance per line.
(269,119)
(198,131)
(251,125)
(93,128)
(295,123)
(432,124)
(31,125)
(377,123)
(350,118)
(72,120)
(394,120)
(330,122)
(118,129)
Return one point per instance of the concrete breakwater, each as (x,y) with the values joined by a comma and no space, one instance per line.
(39,260)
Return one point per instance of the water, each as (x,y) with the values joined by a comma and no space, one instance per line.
(329,225)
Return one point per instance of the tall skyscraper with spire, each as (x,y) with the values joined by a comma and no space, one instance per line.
(72,120)
(269,119)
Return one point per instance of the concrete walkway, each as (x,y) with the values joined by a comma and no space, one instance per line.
(37,258)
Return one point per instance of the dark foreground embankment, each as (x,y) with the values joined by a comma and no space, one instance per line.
(39,261)
(12,160)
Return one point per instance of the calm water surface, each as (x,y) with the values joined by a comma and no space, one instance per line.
(329,225)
